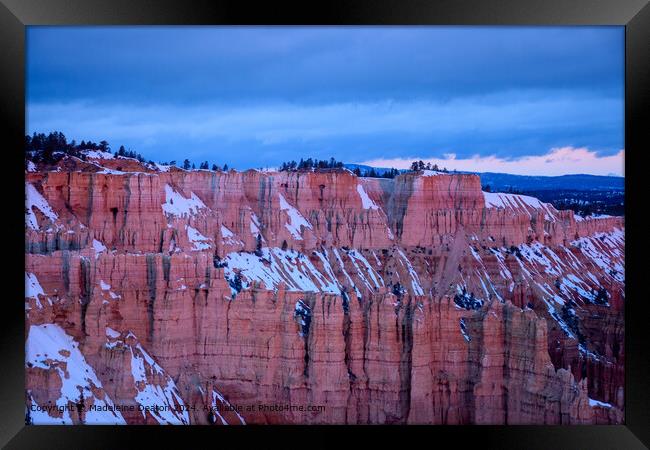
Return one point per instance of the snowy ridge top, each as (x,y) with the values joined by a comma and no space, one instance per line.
(517,201)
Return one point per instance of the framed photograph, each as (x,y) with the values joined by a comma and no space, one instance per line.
(381,218)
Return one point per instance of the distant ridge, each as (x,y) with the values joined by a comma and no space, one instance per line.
(503,181)
(580,182)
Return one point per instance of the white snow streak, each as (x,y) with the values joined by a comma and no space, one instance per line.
(366,201)
(296,220)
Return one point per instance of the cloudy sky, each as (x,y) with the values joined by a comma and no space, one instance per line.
(535,100)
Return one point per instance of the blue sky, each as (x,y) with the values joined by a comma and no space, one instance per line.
(539,100)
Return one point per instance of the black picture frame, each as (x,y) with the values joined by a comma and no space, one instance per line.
(15,15)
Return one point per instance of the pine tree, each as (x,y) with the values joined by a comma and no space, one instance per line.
(186,164)
(258,245)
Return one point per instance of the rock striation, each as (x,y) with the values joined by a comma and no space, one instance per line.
(310,297)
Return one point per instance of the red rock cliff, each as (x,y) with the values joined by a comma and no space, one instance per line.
(223,295)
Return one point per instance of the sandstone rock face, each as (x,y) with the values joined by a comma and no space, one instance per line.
(196,297)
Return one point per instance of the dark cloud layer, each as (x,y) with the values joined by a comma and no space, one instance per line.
(379,92)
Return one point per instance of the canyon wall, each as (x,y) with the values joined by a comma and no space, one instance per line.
(197,297)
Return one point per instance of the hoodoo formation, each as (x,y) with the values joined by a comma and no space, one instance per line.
(159,295)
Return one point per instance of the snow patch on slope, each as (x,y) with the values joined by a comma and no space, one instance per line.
(34,199)
(198,241)
(432,173)
(98,246)
(32,286)
(156,391)
(296,220)
(229,237)
(594,403)
(177,205)
(255,225)
(162,167)
(217,399)
(515,201)
(98,154)
(49,347)
(277,266)
(415,279)
(606,251)
(366,201)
